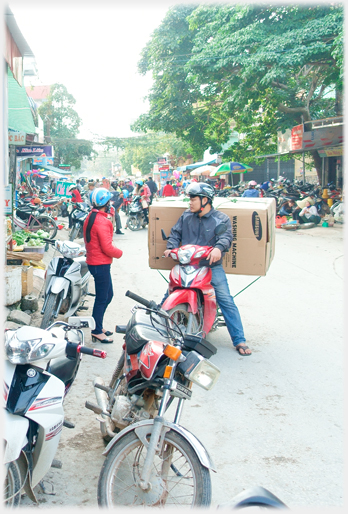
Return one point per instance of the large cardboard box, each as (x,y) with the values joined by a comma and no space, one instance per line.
(253,227)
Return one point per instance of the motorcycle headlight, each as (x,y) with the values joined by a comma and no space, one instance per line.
(185,255)
(23,352)
(199,370)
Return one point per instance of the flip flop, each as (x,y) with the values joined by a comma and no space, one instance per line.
(243,347)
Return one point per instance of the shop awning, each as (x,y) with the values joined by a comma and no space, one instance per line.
(20,117)
(196,165)
(53,169)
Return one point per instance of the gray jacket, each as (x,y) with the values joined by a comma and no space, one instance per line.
(195,230)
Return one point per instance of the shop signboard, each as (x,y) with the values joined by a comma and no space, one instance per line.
(35,150)
(284,141)
(161,160)
(16,138)
(331,152)
(42,161)
(322,136)
(296,137)
(62,188)
(8,199)
(165,175)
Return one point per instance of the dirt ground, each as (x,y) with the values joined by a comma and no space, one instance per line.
(275,418)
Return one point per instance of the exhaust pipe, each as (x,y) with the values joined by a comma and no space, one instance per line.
(102,399)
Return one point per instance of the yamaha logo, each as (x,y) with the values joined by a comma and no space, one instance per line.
(31,372)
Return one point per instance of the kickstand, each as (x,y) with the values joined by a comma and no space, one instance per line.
(43,487)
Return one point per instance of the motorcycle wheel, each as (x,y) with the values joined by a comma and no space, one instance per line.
(73,233)
(48,316)
(189,323)
(46,223)
(184,483)
(12,486)
(133,223)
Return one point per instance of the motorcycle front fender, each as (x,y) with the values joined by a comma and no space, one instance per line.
(59,284)
(139,427)
(181,296)
(15,435)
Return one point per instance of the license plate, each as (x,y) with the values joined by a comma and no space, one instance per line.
(185,390)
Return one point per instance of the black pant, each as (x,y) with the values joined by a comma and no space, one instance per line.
(103,291)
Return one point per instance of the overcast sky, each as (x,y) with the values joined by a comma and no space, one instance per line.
(93,49)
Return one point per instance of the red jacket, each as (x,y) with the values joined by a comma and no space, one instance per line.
(100,249)
(168,190)
(75,196)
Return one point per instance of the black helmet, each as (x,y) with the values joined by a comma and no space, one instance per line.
(201,189)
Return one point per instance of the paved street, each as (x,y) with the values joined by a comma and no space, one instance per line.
(275,418)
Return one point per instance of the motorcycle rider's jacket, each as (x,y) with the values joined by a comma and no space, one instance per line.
(195,230)
(100,249)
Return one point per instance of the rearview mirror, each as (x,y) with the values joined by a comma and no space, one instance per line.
(220,229)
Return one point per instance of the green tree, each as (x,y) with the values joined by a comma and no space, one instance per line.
(264,67)
(61,125)
(143,151)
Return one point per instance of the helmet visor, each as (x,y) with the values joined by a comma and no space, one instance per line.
(193,190)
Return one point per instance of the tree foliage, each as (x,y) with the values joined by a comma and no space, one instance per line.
(263,67)
(143,151)
(62,124)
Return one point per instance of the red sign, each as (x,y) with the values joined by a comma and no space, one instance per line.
(164,167)
(296,137)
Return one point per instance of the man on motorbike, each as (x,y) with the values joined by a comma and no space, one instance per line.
(196,226)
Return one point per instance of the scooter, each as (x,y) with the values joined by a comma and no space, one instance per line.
(191,303)
(66,282)
(136,218)
(39,370)
(255,497)
(78,216)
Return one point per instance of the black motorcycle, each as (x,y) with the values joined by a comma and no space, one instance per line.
(136,216)
(78,216)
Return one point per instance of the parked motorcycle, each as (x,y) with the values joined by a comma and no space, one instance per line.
(39,370)
(66,282)
(151,461)
(136,218)
(78,216)
(191,302)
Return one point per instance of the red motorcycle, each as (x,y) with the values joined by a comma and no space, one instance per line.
(191,303)
(150,460)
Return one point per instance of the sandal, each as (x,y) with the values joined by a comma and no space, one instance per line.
(107,333)
(243,347)
(96,339)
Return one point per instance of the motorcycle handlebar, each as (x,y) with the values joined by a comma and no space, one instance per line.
(91,351)
(139,299)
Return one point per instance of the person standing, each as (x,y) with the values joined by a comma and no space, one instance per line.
(195,226)
(75,199)
(153,188)
(100,252)
(168,190)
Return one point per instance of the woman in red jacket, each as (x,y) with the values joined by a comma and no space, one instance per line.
(98,233)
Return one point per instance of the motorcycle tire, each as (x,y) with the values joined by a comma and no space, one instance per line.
(12,486)
(73,233)
(134,223)
(117,485)
(48,316)
(45,223)
(183,318)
